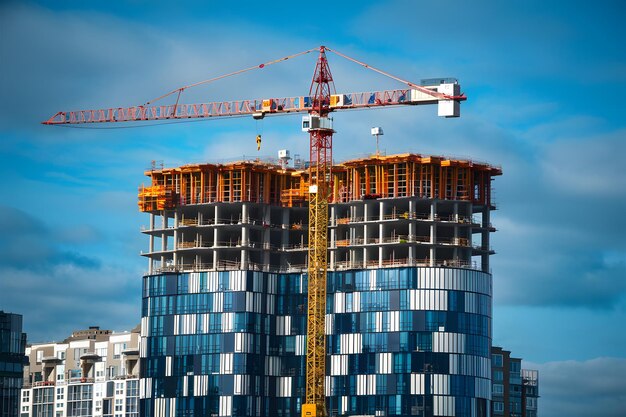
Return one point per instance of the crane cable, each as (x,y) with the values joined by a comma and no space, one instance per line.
(260,66)
(410,84)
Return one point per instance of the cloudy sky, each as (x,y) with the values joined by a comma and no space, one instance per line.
(545,82)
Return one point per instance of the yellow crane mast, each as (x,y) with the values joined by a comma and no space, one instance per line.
(321,136)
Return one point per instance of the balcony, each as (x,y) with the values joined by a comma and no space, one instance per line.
(80,380)
(43,384)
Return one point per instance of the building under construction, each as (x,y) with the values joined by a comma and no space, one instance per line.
(408,320)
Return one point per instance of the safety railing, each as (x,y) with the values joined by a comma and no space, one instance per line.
(404,262)
(336,266)
(399,239)
(452,218)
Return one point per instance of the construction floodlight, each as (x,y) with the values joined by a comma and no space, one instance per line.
(377,131)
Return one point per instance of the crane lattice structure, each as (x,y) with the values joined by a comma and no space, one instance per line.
(321,101)
(321,146)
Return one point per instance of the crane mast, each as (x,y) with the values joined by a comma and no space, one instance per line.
(321,146)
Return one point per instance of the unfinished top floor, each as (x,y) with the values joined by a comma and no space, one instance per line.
(393,176)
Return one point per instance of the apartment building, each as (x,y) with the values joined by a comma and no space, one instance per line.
(93,373)
(515,391)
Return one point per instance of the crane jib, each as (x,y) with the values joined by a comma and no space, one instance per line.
(348,101)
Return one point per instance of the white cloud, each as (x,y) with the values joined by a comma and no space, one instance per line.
(582,388)
(57,299)
(53,279)
(591,167)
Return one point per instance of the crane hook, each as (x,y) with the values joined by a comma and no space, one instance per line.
(258,142)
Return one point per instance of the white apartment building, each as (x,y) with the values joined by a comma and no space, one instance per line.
(92,373)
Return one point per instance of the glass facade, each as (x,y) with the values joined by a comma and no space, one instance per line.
(401,341)
(132,398)
(12,361)
(79,400)
(43,401)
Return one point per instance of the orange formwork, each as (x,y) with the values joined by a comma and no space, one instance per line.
(393,176)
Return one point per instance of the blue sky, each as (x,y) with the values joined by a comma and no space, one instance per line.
(545,82)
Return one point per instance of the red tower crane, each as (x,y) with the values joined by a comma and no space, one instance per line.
(321,101)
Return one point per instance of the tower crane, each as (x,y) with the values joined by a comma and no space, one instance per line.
(321,101)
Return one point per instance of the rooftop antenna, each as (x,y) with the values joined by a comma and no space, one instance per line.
(377,131)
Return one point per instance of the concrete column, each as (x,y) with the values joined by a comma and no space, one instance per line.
(433,232)
(216,254)
(267,217)
(175,244)
(411,222)
(266,235)
(380,248)
(151,243)
(365,237)
(455,251)
(244,236)
(244,259)
(469,212)
(215,228)
(485,238)
(244,227)
(199,240)
(163,236)
(332,238)
(351,251)
(411,231)
(244,213)
(284,239)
